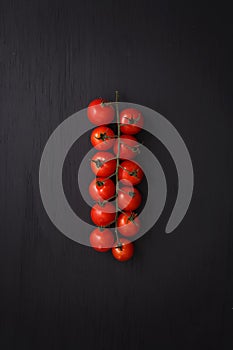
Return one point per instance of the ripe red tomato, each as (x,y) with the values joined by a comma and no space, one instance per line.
(102,189)
(101,239)
(132,120)
(103,215)
(129,198)
(128,224)
(103,164)
(102,138)
(130,171)
(123,251)
(99,112)
(129,147)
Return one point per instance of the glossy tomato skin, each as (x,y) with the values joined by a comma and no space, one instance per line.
(97,101)
(130,172)
(129,147)
(102,138)
(99,112)
(132,120)
(101,239)
(128,224)
(125,251)
(102,189)
(103,215)
(103,164)
(129,198)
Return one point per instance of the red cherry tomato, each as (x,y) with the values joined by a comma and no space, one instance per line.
(102,189)
(99,112)
(132,120)
(102,138)
(103,214)
(101,239)
(129,198)
(103,164)
(123,250)
(129,147)
(130,171)
(128,224)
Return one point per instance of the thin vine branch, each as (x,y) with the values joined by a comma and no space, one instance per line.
(117,164)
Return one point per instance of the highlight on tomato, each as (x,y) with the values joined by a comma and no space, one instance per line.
(102,189)
(100,112)
(103,214)
(130,172)
(102,138)
(129,198)
(131,120)
(101,239)
(128,224)
(123,250)
(129,147)
(103,164)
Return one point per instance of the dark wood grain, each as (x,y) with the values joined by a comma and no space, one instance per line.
(175,58)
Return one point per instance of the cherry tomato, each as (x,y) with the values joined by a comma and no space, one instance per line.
(103,164)
(129,147)
(129,198)
(130,171)
(102,138)
(128,224)
(99,112)
(123,250)
(103,214)
(132,120)
(101,239)
(102,189)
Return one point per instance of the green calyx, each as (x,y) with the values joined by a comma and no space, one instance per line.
(119,245)
(102,204)
(134,173)
(98,163)
(103,136)
(131,194)
(132,217)
(134,121)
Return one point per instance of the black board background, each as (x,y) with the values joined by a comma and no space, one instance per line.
(174,57)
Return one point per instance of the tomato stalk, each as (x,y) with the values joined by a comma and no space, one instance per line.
(117,164)
(109,199)
(132,148)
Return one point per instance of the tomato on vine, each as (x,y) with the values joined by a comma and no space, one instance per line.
(102,138)
(129,198)
(99,112)
(103,164)
(103,214)
(130,172)
(131,121)
(123,250)
(128,224)
(129,147)
(102,189)
(101,239)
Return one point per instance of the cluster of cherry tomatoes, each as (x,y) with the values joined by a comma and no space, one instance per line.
(114,159)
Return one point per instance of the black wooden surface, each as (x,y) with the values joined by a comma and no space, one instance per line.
(175,58)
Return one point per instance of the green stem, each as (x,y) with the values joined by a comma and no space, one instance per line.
(117,163)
